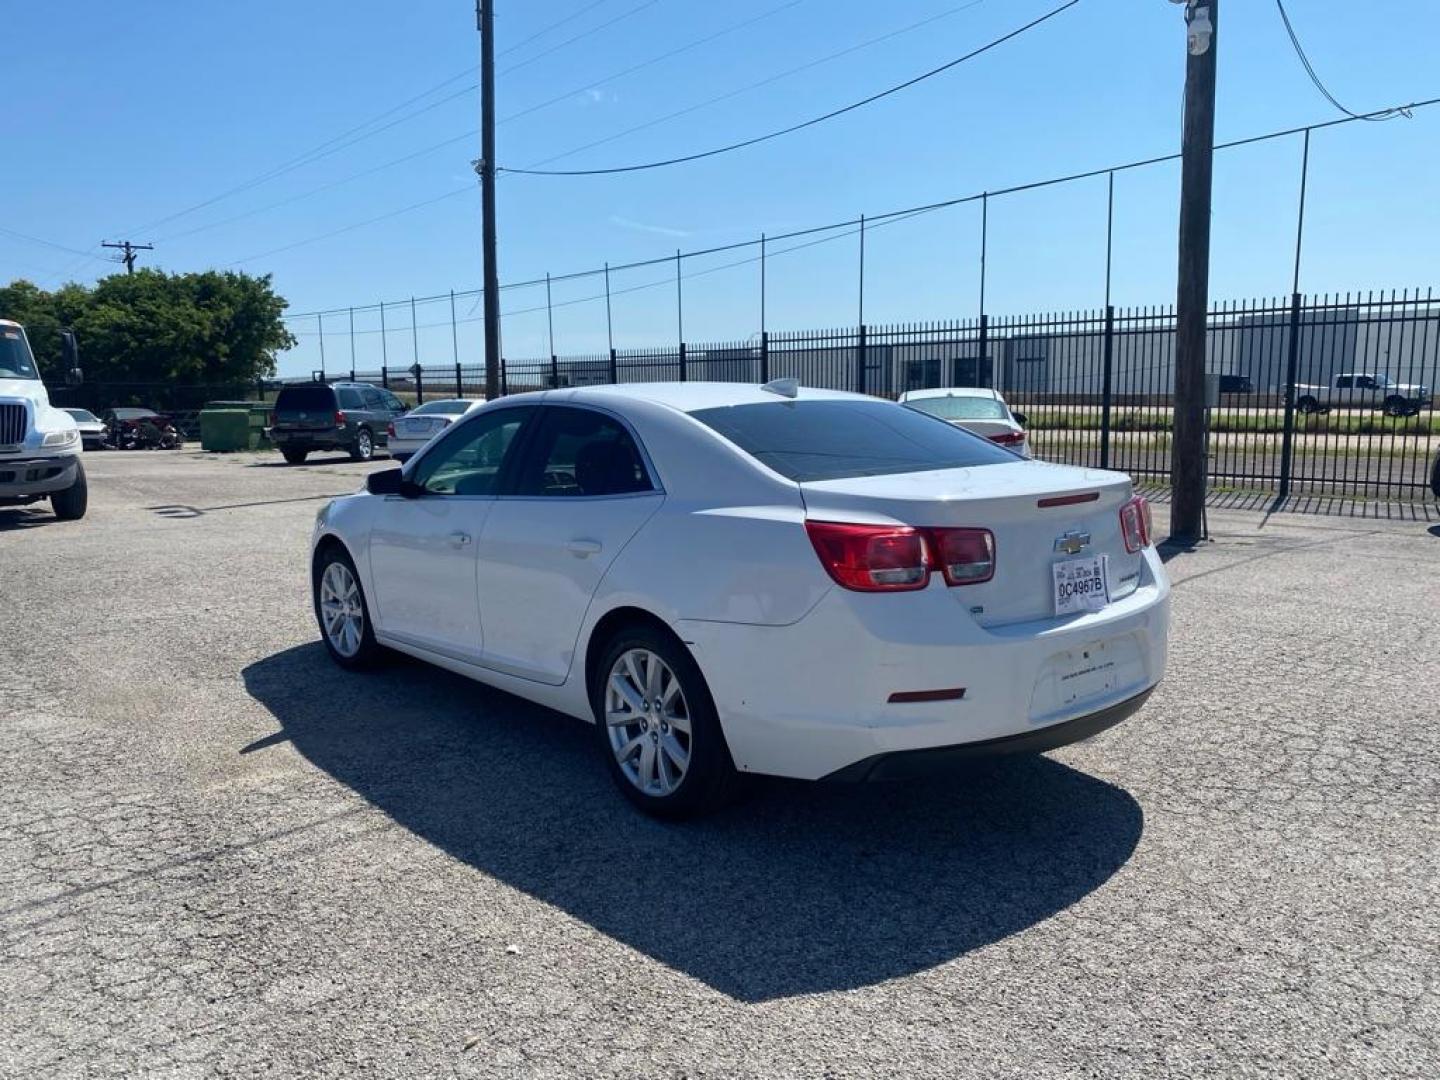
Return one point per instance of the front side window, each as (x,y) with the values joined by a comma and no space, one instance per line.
(350,399)
(471,458)
(16,362)
(815,440)
(580,453)
(373,400)
(391,401)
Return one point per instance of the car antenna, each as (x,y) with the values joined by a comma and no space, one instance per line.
(784,387)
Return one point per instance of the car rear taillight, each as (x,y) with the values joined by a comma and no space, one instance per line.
(1135,524)
(390,429)
(897,558)
(964,556)
(1008,438)
(871,558)
(339,418)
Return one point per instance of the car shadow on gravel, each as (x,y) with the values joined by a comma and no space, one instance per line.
(798,889)
(20,517)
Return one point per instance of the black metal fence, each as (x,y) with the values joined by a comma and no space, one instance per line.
(1322,394)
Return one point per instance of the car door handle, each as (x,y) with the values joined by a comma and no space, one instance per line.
(583,549)
(459,539)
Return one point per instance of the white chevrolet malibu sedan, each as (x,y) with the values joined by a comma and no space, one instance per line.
(732,579)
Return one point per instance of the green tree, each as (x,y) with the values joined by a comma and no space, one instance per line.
(154,327)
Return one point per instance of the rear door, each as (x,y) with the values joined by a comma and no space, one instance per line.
(423,549)
(581,489)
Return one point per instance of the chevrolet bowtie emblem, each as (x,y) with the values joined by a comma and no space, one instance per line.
(1072,543)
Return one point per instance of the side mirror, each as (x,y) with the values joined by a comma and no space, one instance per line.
(70,352)
(1020,418)
(391,482)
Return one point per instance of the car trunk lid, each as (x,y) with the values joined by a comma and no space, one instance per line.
(1040,514)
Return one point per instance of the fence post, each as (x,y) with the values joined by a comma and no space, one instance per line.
(459,388)
(554,372)
(684,374)
(419,374)
(861,360)
(1292,360)
(614,367)
(984,347)
(764,356)
(385,376)
(504,379)
(1106,386)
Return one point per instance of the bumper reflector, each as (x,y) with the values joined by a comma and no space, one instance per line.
(904,697)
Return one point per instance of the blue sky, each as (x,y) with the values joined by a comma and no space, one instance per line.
(122,116)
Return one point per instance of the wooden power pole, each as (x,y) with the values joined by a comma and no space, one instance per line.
(1192,301)
(129,249)
(485,19)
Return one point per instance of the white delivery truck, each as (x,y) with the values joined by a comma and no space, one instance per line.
(40,446)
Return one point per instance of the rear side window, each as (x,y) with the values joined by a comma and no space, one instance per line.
(305,399)
(831,440)
(580,453)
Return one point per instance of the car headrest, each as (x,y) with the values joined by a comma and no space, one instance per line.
(609,468)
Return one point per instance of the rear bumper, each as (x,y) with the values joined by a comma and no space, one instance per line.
(25,477)
(912,764)
(811,699)
(326,438)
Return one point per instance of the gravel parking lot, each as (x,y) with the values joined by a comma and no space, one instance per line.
(221,856)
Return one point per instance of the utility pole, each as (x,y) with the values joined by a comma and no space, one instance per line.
(1192,300)
(485,23)
(129,249)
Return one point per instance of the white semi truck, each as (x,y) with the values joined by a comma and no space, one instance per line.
(40,446)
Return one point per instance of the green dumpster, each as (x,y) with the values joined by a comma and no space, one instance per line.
(227,426)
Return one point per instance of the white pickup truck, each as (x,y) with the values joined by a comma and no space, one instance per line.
(1363,390)
(40,446)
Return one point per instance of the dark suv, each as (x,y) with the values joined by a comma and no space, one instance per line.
(336,416)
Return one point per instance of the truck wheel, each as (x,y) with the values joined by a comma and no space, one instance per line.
(70,504)
(295,457)
(1307,404)
(1396,406)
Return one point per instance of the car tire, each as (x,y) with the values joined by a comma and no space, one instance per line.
(343,615)
(660,767)
(71,504)
(1435,478)
(1397,406)
(1307,404)
(364,448)
(295,457)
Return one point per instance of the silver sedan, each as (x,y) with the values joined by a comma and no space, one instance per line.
(407,434)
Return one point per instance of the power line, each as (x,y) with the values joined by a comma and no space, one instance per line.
(466,136)
(807,123)
(877,219)
(581,36)
(553,26)
(1386,114)
(47,243)
(768,80)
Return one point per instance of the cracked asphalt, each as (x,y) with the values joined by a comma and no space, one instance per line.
(220,856)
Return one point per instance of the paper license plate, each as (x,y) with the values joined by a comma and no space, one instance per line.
(1081,585)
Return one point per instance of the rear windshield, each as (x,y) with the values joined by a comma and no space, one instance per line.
(961,407)
(830,440)
(83,415)
(451,408)
(305,398)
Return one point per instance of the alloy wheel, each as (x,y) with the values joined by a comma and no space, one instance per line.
(648,722)
(341,612)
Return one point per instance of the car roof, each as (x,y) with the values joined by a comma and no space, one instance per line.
(7,322)
(952,391)
(690,396)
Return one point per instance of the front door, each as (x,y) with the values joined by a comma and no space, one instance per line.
(579,491)
(423,549)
